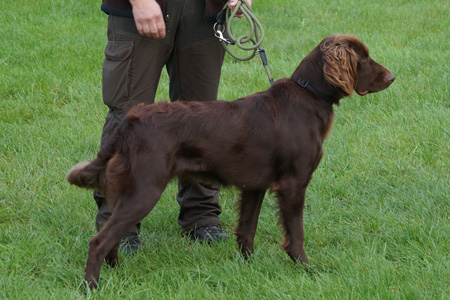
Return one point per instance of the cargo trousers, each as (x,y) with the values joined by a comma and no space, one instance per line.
(131,72)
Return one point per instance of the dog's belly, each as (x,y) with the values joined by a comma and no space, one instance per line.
(241,176)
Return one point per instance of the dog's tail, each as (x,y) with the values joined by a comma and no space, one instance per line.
(91,174)
(87,175)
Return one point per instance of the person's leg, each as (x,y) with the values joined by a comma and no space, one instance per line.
(131,72)
(195,75)
(194,70)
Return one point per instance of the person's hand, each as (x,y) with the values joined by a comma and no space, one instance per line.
(149,18)
(232,4)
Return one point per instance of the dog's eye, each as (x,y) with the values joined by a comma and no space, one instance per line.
(363,60)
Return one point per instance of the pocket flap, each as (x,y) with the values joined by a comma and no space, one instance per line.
(118,50)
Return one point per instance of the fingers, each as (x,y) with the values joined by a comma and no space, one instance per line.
(153,28)
(149,18)
(232,4)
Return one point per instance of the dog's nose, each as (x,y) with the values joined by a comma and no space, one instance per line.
(389,78)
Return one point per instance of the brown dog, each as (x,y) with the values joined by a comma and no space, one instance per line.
(268,140)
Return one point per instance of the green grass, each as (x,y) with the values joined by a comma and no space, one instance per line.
(377,218)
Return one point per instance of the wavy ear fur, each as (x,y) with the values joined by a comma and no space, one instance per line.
(340,63)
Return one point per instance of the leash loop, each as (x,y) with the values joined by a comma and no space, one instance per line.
(247,42)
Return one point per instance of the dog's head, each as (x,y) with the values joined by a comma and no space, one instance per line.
(348,66)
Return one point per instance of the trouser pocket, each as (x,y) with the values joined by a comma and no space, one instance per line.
(117,74)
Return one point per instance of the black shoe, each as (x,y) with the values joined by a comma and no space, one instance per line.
(130,243)
(208,233)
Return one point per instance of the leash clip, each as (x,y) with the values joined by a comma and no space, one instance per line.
(221,37)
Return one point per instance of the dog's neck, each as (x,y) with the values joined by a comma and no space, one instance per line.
(309,75)
(307,85)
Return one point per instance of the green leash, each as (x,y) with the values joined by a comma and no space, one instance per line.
(250,42)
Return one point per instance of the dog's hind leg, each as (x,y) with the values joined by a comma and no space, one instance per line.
(249,209)
(111,258)
(130,209)
(291,199)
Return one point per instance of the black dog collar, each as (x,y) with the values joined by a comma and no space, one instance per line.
(307,85)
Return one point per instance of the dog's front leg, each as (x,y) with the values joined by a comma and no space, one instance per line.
(249,209)
(291,202)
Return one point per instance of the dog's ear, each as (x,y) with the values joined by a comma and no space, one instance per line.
(340,63)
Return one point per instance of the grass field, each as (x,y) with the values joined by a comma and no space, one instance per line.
(377,219)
